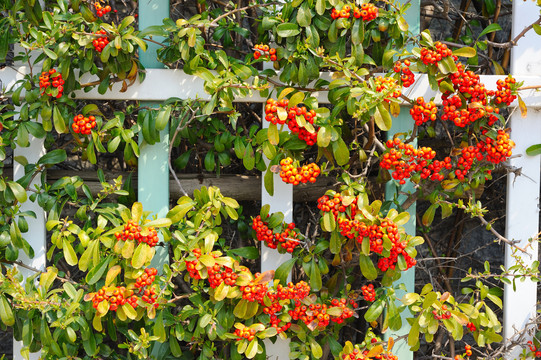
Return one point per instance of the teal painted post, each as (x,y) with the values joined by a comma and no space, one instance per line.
(402,124)
(153,169)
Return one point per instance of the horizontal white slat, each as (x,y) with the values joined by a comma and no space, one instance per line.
(162,84)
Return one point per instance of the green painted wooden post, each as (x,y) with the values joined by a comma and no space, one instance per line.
(153,169)
(402,124)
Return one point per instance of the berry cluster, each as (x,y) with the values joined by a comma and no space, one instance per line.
(191,266)
(51,82)
(245,333)
(254,292)
(471,326)
(132,231)
(357,354)
(367,12)
(429,56)
(278,112)
(286,240)
(100,41)
(369,293)
(406,75)
(389,86)
(504,94)
(149,296)
(265,52)
(465,161)
(405,160)
(221,274)
(297,175)
(468,351)
(101,10)
(83,125)
(444,314)
(116,297)
(498,150)
(146,279)
(534,349)
(422,112)
(335,204)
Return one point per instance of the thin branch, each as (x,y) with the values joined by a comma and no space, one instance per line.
(514,41)
(215,21)
(31,268)
(500,237)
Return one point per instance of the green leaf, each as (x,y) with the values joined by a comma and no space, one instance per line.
(6,314)
(537,29)
(247,252)
(97,272)
(489,29)
(367,267)
(273,134)
(315,348)
(69,253)
(428,216)
(18,191)
(140,255)
(178,213)
(296,99)
(284,270)
(268,181)
(158,223)
(533,150)
(159,328)
(466,52)
(51,54)
(251,350)
(340,152)
(324,136)
(163,118)
(59,122)
(374,311)
(383,118)
(55,156)
(287,29)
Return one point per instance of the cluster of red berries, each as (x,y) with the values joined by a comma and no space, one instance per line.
(265,52)
(468,351)
(357,354)
(116,297)
(245,333)
(149,296)
(284,294)
(465,162)
(504,95)
(191,266)
(389,86)
(101,10)
(287,239)
(254,292)
(315,315)
(405,160)
(429,56)
(83,125)
(297,175)
(289,116)
(367,12)
(132,231)
(471,326)
(146,279)
(51,82)
(406,75)
(534,349)
(100,41)
(335,204)
(369,293)
(444,314)
(498,150)
(221,274)
(422,112)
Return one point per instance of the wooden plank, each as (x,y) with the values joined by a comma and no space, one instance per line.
(36,235)
(522,208)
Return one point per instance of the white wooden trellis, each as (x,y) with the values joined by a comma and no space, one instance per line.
(523,191)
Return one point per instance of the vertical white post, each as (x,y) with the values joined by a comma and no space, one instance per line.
(36,235)
(522,219)
(281,201)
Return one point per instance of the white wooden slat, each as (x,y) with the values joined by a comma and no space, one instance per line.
(522,207)
(162,84)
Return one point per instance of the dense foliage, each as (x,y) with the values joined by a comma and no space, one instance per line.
(100,297)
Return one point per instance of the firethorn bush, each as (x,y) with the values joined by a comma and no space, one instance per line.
(104,293)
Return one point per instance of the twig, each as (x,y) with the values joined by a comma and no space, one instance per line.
(31,268)
(514,41)
(500,237)
(215,21)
